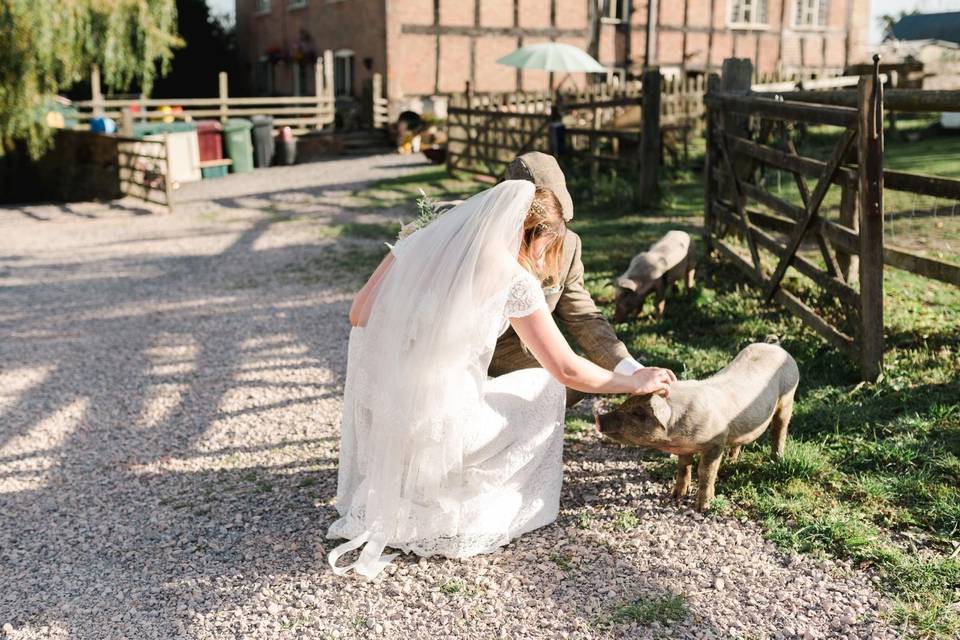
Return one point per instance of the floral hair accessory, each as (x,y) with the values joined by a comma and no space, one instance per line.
(537,208)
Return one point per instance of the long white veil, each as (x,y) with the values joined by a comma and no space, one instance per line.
(415,374)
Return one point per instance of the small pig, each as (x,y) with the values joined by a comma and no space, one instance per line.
(729,409)
(665,262)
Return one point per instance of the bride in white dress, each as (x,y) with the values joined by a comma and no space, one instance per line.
(435,457)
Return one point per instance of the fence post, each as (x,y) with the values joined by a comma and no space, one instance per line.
(650,137)
(468,94)
(328,88)
(849,263)
(710,187)
(95,95)
(870,182)
(126,122)
(224,95)
(736,77)
(318,91)
(318,77)
(737,74)
(594,148)
(377,95)
(452,103)
(167,180)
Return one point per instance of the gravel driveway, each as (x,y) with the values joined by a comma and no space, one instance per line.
(169,396)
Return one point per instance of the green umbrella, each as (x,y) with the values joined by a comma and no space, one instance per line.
(552,56)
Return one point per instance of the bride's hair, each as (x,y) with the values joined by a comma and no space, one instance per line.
(544,218)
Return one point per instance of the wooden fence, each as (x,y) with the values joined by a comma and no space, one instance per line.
(300,113)
(593,125)
(485,132)
(746,133)
(603,125)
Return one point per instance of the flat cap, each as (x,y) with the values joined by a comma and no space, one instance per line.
(542,169)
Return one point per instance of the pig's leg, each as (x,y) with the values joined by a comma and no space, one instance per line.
(707,476)
(691,272)
(778,426)
(661,293)
(684,471)
(734,454)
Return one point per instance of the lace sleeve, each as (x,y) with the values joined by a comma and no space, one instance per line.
(525,296)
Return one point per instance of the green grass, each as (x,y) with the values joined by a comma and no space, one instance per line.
(625,521)
(576,428)
(666,610)
(871,471)
(364,230)
(562,561)
(452,586)
(435,182)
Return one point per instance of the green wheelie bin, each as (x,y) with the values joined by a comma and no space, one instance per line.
(238,144)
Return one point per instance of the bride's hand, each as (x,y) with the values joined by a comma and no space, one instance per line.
(653,380)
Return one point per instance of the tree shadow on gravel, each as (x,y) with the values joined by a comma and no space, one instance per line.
(163,435)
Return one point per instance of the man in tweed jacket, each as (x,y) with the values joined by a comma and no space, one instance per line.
(569,302)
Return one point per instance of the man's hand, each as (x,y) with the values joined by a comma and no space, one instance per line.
(653,380)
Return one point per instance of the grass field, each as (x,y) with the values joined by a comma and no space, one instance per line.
(871,471)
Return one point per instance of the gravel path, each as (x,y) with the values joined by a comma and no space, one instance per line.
(169,397)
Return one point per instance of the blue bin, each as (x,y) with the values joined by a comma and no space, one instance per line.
(101,124)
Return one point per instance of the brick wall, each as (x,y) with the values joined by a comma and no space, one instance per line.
(698,34)
(435,46)
(354,25)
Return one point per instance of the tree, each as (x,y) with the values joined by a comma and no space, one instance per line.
(48,45)
(209,49)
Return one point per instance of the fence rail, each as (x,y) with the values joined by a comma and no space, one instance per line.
(301,113)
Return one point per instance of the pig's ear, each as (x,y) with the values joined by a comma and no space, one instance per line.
(660,410)
(626,283)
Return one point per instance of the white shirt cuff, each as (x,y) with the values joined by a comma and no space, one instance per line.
(628,366)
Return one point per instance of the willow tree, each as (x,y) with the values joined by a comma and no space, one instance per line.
(48,45)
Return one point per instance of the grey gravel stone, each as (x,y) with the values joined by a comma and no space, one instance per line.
(170,389)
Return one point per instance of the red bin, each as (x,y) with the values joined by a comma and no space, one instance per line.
(211,144)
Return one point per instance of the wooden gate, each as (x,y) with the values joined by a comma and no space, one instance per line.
(747,133)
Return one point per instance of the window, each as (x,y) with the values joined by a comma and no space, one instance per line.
(265,75)
(614,10)
(748,12)
(343,73)
(261,6)
(296,4)
(300,77)
(810,13)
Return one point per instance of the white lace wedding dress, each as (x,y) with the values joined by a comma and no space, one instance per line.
(512,468)
(435,457)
